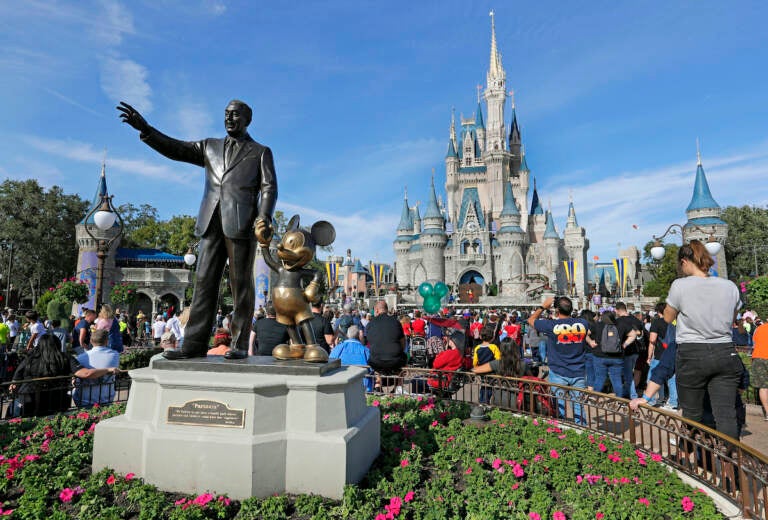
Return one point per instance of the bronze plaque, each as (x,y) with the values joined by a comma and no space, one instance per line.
(204,412)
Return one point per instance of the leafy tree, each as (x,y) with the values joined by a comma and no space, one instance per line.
(142,227)
(758,295)
(664,271)
(41,226)
(180,233)
(746,252)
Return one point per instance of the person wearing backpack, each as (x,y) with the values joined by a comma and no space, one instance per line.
(605,340)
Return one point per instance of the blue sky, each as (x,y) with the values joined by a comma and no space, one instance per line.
(355,99)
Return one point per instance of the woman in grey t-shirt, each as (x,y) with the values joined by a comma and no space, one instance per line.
(704,307)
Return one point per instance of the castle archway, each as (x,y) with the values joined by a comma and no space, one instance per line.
(470,286)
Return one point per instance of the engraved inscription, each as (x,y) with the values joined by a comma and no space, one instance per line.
(204,412)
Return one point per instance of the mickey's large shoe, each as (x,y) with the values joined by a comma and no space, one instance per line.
(236,354)
(173,355)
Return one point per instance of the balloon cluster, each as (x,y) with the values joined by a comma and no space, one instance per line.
(432,295)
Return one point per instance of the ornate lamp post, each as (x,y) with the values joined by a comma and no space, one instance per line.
(104,217)
(712,245)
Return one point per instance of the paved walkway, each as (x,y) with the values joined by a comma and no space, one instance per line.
(755,433)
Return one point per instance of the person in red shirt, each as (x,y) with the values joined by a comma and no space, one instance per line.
(451,359)
(512,328)
(405,321)
(418,325)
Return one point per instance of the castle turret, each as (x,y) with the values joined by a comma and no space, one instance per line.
(552,245)
(704,218)
(537,219)
(576,246)
(433,238)
(403,243)
(87,260)
(511,239)
(480,127)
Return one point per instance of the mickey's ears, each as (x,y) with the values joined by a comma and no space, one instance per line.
(323,233)
(293,223)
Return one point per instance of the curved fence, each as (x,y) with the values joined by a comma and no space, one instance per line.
(722,463)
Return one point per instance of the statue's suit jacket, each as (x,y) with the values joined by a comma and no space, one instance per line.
(244,189)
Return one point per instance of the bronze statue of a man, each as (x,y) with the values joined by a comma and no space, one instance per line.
(240,190)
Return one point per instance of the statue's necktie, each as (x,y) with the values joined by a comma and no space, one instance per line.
(229,154)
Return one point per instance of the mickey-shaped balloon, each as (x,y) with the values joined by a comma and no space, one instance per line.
(432,295)
(290,296)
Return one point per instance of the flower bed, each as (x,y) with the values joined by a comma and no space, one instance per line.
(432,466)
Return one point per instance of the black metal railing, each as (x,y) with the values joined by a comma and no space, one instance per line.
(51,395)
(736,471)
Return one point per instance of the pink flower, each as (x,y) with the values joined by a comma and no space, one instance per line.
(408,496)
(655,457)
(517,469)
(375,403)
(599,516)
(130,476)
(554,454)
(203,499)
(558,515)
(6,512)
(66,495)
(404,463)
(687,504)
(537,458)
(468,471)
(110,480)
(515,485)
(434,423)
(601,447)
(644,501)
(534,516)
(535,423)
(496,463)
(479,460)
(180,501)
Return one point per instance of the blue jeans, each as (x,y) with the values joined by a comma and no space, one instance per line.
(609,367)
(576,382)
(589,366)
(629,376)
(543,351)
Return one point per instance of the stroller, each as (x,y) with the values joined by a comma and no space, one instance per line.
(418,352)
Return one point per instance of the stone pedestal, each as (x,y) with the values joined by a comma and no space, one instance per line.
(245,428)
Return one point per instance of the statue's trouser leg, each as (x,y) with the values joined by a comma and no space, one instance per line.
(241,254)
(210,266)
(293,334)
(308,332)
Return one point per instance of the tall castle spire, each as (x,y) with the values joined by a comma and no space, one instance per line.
(406,223)
(702,197)
(496,70)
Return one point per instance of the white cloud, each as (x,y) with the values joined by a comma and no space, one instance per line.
(85,152)
(25,168)
(653,199)
(126,80)
(368,234)
(216,7)
(112,23)
(194,121)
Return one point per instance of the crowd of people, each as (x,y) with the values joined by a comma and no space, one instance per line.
(680,355)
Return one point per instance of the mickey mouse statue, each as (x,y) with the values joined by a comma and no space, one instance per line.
(289,295)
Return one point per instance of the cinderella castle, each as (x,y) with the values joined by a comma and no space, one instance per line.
(489,235)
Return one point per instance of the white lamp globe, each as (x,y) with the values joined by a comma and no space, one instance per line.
(189,258)
(657,252)
(104,219)
(713,247)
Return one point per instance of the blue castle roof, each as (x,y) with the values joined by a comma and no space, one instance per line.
(479,123)
(469,198)
(406,224)
(101,190)
(510,208)
(702,197)
(536,208)
(146,255)
(451,150)
(433,211)
(550,231)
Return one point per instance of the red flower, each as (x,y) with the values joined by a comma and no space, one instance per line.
(66,495)
(404,463)
(111,480)
(130,476)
